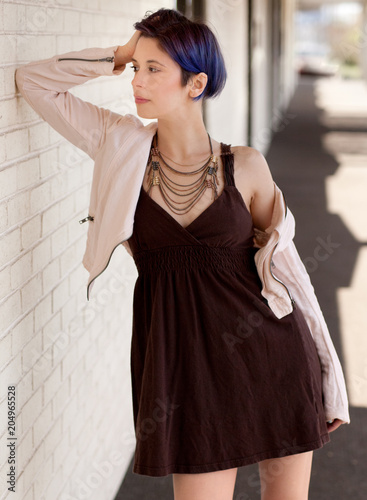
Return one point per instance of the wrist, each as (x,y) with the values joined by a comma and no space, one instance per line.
(120,58)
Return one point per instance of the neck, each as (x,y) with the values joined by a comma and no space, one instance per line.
(183,140)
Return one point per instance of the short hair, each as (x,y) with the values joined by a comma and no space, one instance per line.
(191,44)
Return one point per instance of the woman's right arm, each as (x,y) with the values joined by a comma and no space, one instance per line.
(45,84)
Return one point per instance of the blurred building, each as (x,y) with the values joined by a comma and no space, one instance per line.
(257,39)
(264,43)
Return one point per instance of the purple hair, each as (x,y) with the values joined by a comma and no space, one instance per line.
(191,44)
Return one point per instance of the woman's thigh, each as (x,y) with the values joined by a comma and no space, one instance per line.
(218,485)
(287,478)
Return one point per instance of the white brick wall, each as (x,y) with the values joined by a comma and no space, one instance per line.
(68,358)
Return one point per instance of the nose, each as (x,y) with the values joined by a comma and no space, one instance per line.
(137,81)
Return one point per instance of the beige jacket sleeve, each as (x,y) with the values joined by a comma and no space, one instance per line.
(45,84)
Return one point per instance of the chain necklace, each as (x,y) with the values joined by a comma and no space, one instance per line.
(159,178)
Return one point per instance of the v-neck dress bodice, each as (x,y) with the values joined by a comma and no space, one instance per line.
(217,380)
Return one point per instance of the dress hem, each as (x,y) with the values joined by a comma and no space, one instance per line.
(229,464)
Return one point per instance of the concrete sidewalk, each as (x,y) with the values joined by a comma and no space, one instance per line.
(319,161)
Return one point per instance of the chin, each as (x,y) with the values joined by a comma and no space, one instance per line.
(146,115)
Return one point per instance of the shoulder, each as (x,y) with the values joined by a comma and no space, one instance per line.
(250,167)
(248,158)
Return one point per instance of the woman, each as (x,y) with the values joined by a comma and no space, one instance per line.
(231,362)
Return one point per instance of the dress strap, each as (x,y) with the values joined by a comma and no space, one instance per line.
(228,163)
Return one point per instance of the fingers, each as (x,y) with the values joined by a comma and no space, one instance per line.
(334,425)
(133,41)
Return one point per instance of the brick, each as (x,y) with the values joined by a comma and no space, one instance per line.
(31,232)
(86,23)
(10,310)
(66,207)
(2,81)
(50,219)
(3,221)
(36,19)
(52,384)
(45,46)
(2,150)
(59,401)
(34,464)
(31,292)
(76,377)
(64,44)
(51,275)
(15,17)
(41,369)
(70,410)
(76,232)
(59,240)
(27,173)
(22,333)
(82,196)
(21,270)
(70,317)
(18,208)
(32,352)
(69,361)
(68,260)
(24,388)
(25,447)
(40,196)
(59,295)
(48,163)
(8,181)
(41,255)
(55,486)
(42,424)
(11,374)
(9,81)
(5,349)
(9,246)
(38,136)
(25,113)
(77,278)
(71,22)
(8,113)
(42,478)
(8,48)
(51,331)
(55,20)
(16,144)
(60,348)
(59,185)
(42,313)
(4,282)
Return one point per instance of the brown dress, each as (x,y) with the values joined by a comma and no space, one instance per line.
(218,381)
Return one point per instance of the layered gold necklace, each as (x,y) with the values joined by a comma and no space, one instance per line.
(207,179)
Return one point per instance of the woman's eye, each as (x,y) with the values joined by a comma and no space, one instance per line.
(134,68)
(153,70)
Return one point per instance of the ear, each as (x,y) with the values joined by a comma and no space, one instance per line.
(198,84)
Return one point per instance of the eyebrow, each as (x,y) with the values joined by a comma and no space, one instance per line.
(149,61)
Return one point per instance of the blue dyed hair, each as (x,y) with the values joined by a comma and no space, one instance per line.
(191,44)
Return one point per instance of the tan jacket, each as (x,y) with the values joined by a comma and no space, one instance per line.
(120,146)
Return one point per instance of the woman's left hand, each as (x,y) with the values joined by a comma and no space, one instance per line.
(334,425)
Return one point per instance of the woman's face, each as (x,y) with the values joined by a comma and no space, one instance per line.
(158,80)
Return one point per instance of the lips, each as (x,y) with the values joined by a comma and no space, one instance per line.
(140,100)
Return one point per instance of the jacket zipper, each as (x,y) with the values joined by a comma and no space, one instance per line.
(107,59)
(293,302)
(89,217)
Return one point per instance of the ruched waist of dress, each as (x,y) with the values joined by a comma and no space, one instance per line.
(176,258)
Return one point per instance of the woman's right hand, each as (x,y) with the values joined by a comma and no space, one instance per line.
(125,52)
